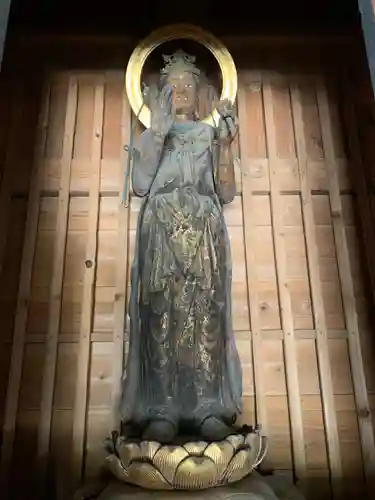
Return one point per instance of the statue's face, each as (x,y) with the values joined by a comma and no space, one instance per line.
(184,91)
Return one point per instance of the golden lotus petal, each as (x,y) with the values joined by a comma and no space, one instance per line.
(194,466)
(196,473)
(128,452)
(239,467)
(167,459)
(197,448)
(236,440)
(254,441)
(221,454)
(149,448)
(147,476)
(116,468)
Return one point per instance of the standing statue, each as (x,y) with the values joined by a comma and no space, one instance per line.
(183,373)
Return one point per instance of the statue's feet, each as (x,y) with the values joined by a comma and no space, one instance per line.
(214,429)
(161,431)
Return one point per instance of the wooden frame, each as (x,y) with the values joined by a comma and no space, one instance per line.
(273,345)
(367,9)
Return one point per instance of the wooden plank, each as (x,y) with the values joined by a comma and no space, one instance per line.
(121,272)
(14,382)
(325,378)
(80,406)
(290,353)
(350,312)
(55,298)
(252,282)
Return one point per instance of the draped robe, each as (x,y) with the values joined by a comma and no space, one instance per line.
(182,363)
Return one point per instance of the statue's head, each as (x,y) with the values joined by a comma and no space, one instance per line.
(182,74)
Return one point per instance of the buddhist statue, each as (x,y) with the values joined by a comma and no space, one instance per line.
(183,373)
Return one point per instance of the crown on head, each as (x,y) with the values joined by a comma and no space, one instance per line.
(180,61)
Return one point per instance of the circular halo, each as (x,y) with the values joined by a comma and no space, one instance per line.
(178,32)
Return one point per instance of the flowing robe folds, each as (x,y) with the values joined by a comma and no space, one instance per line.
(182,363)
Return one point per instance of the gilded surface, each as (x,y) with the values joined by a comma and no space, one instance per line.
(190,466)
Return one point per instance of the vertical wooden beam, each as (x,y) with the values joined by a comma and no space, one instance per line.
(249,243)
(367,10)
(83,368)
(121,274)
(359,176)
(328,403)
(292,380)
(9,167)
(44,430)
(4,15)
(351,318)
(32,218)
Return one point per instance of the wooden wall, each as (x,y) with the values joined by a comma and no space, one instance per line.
(300,304)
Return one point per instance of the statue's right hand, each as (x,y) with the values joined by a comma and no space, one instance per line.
(162,112)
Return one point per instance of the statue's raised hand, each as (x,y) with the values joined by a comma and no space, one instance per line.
(225,108)
(162,112)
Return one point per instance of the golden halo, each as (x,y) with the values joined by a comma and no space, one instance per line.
(176,32)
